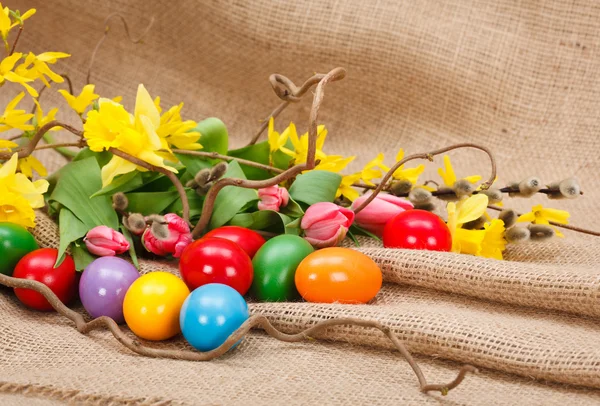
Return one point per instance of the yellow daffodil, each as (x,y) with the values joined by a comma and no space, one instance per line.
(6,73)
(449,176)
(36,67)
(82,101)
(112,127)
(468,209)
(369,172)
(346,188)
(542,215)
(30,164)
(41,120)
(12,118)
(409,174)
(18,195)
(493,243)
(179,134)
(276,140)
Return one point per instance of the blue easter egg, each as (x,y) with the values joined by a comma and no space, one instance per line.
(210,314)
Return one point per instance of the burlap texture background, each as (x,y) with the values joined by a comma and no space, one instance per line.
(519,77)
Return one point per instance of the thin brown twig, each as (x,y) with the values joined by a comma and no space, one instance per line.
(252,322)
(106,30)
(565,226)
(429,156)
(79,144)
(287,91)
(41,91)
(216,155)
(31,146)
(12,51)
(209,201)
(178,185)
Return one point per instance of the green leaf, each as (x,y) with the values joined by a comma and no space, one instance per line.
(282,160)
(315,186)
(81,256)
(214,136)
(71,229)
(78,181)
(292,209)
(257,153)
(123,183)
(231,200)
(148,203)
(260,220)
(195,202)
(129,239)
(294,227)
(361,231)
(353,238)
(194,164)
(102,157)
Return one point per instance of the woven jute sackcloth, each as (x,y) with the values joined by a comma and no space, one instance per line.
(522,78)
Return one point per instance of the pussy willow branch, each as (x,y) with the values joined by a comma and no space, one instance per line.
(209,201)
(106,30)
(216,155)
(178,185)
(287,91)
(253,322)
(429,156)
(565,226)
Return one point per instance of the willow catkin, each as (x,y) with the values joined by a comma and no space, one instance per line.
(570,188)
(135,222)
(217,171)
(509,217)
(517,234)
(463,187)
(419,196)
(120,201)
(400,187)
(540,232)
(494,195)
(202,177)
(529,187)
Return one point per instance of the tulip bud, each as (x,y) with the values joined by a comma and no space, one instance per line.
(379,211)
(272,198)
(326,224)
(540,232)
(517,234)
(178,237)
(104,241)
(509,217)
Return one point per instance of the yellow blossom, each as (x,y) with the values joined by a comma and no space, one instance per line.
(30,164)
(7,145)
(542,215)
(493,243)
(333,163)
(178,133)
(82,101)
(410,174)
(276,140)
(36,67)
(13,118)
(346,188)
(18,195)
(467,209)
(300,151)
(6,24)
(112,127)
(369,172)
(449,176)
(6,73)
(41,120)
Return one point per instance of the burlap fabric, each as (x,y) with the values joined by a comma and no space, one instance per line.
(519,77)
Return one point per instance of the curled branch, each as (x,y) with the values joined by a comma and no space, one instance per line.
(216,155)
(106,30)
(209,201)
(253,322)
(429,156)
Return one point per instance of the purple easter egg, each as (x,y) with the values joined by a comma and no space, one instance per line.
(103,285)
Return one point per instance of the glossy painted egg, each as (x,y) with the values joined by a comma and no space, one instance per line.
(417,230)
(103,286)
(15,243)
(275,265)
(152,305)
(248,240)
(210,314)
(338,275)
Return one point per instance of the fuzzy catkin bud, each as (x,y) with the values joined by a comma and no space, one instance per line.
(530,186)
(120,201)
(517,234)
(160,230)
(135,223)
(419,196)
(400,187)
(509,217)
(202,177)
(218,170)
(203,190)
(475,224)
(446,194)
(156,218)
(428,206)
(463,187)
(570,188)
(191,183)
(540,232)
(494,195)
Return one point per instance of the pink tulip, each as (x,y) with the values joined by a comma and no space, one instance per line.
(105,242)
(384,207)
(179,237)
(326,224)
(272,197)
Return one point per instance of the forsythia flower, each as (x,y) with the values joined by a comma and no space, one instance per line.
(36,67)
(6,24)
(6,73)
(333,163)
(176,132)
(448,175)
(7,146)
(346,188)
(542,215)
(41,120)
(18,195)
(15,118)
(369,173)
(29,164)
(276,140)
(82,101)
(410,174)
(112,127)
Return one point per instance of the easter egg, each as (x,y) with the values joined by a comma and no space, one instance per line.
(216,260)
(15,242)
(152,304)
(210,314)
(248,240)
(417,230)
(338,275)
(275,265)
(38,265)
(103,285)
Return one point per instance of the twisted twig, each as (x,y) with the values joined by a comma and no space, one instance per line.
(429,156)
(106,29)
(209,201)
(216,155)
(253,322)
